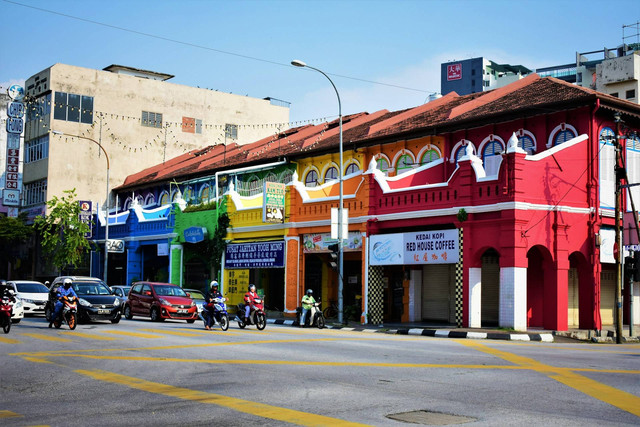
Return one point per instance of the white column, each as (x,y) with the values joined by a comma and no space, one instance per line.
(365,279)
(513,298)
(475,297)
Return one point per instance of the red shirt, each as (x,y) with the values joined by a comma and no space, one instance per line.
(249,297)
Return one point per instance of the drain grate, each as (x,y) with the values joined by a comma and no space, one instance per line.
(430,418)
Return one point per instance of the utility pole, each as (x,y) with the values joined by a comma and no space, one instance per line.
(620,174)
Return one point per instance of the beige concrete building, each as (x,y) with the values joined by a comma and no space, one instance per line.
(620,77)
(138,117)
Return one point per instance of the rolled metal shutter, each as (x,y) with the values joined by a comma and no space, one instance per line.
(490,290)
(435,292)
(607,296)
(573,301)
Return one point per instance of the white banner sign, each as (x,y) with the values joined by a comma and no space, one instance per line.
(115,246)
(424,247)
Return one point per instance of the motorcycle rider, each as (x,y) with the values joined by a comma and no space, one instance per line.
(307,305)
(64,291)
(208,304)
(4,291)
(248,301)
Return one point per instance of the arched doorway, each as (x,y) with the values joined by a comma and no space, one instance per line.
(540,285)
(490,291)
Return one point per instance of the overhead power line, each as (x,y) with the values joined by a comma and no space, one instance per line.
(198,46)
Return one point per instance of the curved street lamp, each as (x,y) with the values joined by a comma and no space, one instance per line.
(301,64)
(106,227)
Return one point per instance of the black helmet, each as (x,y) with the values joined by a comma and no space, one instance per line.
(309,291)
(252,288)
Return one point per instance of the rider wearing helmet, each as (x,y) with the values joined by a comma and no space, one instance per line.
(307,304)
(248,301)
(65,291)
(208,304)
(4,290)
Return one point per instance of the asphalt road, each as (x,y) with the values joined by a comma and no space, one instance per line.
(173,373)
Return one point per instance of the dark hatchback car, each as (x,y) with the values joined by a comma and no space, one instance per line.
(160,301)
(95,299)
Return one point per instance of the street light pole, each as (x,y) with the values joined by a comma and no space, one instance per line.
(106,226)
(298,63)
(618,229)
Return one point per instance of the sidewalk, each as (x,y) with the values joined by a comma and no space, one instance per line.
(431,330)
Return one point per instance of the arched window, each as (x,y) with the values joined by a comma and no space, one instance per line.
(492,148)
(459,150)
(205,193)
(331,174)
(311,180)
(429,156)
(286,176)
(271,177)
(188,194)
(527,144)
(606,134)
(561,133)
(164,198)
(174,195)
(127,204)
(352,168)
(150,200)
(140,200)
(383,164)
(405,163)
(460,153)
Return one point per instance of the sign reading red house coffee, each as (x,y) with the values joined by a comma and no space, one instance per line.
(423,247)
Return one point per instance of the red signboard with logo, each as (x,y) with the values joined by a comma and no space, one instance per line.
(454,71)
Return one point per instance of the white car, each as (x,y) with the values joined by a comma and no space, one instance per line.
(33,296)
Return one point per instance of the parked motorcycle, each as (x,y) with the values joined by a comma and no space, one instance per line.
(6,311)
(316,318)
(256,315)
(69,313)
(217,309)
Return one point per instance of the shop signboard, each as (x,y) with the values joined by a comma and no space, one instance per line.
(255,255)
(194,234)
(319,242)
(86,216)
(14,127)
(273,207)
(115,246)
(424,247)
(236,286)
(454,71)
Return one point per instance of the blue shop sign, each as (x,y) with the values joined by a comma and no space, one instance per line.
(255,255)
(194,234)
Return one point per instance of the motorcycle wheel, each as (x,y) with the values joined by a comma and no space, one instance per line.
(47,313)
(58,322)
(6,327)
(127,313)
(261,321)
(224,322)
(72,321)
(320,322)
(241,324)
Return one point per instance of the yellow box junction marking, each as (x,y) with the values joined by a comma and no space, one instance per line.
(9,340)
(9,414)
(46,337)
(613,396)
(88,336)
(132,334)
(248,407)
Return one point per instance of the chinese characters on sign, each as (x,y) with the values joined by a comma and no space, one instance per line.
(15,126)
(85,216)
(273,208)
(237,285)
(425,247)
(255,255)
(454,72)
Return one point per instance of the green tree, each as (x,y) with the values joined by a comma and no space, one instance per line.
(13,233)
(62,233)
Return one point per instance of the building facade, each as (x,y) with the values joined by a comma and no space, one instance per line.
(477,75)
(138,117)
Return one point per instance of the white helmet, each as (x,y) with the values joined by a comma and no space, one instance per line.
(213,283)
(66,283)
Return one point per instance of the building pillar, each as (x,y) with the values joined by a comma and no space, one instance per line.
(292,295)
(134,265)
(475,297)
(376,295)
(176,255)
(415,296)
(513,298)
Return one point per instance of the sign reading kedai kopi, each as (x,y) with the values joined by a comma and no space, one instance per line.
(423,247)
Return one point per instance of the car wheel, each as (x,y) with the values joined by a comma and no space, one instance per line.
(15,320)
(117,319)
(127,313)
(191,320)
(155,315)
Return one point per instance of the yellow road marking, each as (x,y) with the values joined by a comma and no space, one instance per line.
(248,407)
(9,340)
(9,414)
(579,347)
(185,332)
(132,334)
(88,336)
(46,337)
(613,396)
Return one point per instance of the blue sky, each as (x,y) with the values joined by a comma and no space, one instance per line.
(399,42)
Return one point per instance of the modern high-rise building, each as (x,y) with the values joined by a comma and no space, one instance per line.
(477,75)
(138,117)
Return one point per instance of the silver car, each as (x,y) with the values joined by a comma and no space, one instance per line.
(122,292)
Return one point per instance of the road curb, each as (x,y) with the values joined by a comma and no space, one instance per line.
(439,333)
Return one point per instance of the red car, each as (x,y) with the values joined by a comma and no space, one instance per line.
(160,301)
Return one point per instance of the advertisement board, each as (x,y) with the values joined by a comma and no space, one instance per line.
(423,247)
(255,255)
(273,207)
(454,71)
(319,242)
